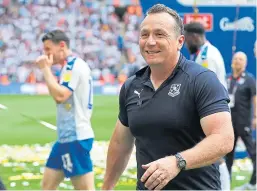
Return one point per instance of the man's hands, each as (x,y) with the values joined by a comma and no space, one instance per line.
(158,173)
(44,61)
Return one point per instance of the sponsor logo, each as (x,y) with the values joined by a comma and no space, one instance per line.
(206,19)
(243,24)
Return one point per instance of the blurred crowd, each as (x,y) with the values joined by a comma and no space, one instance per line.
(106,40)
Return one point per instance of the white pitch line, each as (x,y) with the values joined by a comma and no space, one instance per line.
(48,125)
(3,107)
(44,123)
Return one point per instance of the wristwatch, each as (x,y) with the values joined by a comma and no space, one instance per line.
(181,162)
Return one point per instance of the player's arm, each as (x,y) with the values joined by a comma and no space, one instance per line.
(119,152)
(120,148)
(212,105)
(59,92)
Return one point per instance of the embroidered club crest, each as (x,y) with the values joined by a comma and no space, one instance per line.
(174,90)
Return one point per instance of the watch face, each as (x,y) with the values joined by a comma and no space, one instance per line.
(182,164)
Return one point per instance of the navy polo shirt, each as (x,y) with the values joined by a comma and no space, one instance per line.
(167,121)
(243,88)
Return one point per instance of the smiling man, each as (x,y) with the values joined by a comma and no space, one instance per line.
(70,155)
(175,111)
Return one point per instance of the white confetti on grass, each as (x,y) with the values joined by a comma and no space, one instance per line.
(38,154)
(27,163)
(24,158)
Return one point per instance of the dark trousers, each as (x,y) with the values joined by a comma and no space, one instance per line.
(2,187)
(246,136)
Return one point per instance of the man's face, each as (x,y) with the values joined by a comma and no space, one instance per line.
(55,49)
(191,42)
(239,61)
(158,41)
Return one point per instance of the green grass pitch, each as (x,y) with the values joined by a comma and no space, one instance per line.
(17,130)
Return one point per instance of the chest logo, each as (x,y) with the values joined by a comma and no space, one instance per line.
(139,102)
(174,90)
(138,93)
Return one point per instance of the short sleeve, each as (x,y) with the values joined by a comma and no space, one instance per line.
(210,95)
(123,117)
(252,86)
(70,78)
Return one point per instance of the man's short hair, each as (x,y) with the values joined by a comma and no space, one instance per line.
(56,36)
(195,27)
(160,8)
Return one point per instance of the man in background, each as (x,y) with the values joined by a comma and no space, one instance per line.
(203,52)
(242,93)
(207,55)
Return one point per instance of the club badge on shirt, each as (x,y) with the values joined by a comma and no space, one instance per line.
(67,76)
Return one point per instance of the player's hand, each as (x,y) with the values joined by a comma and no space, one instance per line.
(254,123)
(158,173)
(44,61)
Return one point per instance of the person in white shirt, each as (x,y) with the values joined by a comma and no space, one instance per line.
(203,52)
(70,155)
(207,55)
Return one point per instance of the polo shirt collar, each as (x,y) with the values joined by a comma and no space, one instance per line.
(145,72)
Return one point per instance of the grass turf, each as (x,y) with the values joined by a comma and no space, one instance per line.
(18,130)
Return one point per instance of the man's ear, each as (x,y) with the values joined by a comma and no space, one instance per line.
(181,40)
